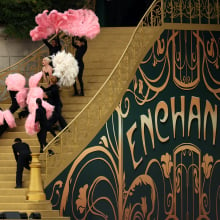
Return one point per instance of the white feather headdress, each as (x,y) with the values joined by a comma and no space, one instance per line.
(65,68)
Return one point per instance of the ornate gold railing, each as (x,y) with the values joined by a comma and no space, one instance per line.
(192,11)
(87,123)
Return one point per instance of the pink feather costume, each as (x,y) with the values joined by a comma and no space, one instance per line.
(14,82)
(35,92)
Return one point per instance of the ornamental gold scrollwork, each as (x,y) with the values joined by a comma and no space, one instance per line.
(162,190)
(191,56)
(154,17)
(191,11)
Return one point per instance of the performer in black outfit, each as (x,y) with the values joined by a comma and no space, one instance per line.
(54,47)
(14,104)
(81,47)
(22,155)
(53,97)
(42,119)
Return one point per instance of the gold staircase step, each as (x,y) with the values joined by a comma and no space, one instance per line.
(18,206)
(7,149)
(10,141)
(45,214)
(9,163)
(6,170)
(20,134)
(11,177)
(11,184)
(13,198)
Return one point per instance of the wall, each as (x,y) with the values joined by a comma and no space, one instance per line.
(12,50)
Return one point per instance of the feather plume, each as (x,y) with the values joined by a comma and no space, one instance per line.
(21,97)
(31,125)
(49,108)
(1,117)
(81,22)
(9,118)
(65,68)
(35,79)
(57,19)
(34,93)
(15,82)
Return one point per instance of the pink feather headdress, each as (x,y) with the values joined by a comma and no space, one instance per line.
(35,79)
(1,117)
(81,22)
(21,97)
(15,82)
(9,118)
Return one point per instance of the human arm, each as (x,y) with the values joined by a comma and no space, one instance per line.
(15,152)
(58,41)
(46,43)
(74,42)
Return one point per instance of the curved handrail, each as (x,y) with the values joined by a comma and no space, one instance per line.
(107,97)
(29,65)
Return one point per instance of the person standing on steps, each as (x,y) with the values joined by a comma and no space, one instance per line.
(22,154)
(53,97)
(14,104)
(42,119)
(80,44)
(54,46)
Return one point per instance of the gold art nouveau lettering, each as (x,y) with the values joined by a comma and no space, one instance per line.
(152,128)
(132,145)
(147,121)
(161,106)
(176,115)
(194,105)
(213,115)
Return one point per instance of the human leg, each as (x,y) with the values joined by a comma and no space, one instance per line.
(80,75)
(19,172)
(75,89)
(42,135)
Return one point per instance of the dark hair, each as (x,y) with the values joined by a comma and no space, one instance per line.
(39,101)
(17,140)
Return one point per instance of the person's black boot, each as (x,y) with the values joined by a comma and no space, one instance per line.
(41,150)
(82,93)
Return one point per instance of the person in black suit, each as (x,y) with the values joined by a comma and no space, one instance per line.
(54,46)
(14,104)
(80,44)
(42,119)
(53,97)
(22,154)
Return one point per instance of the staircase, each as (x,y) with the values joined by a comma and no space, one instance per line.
(101,57)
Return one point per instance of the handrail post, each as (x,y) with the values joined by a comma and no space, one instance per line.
(36,191)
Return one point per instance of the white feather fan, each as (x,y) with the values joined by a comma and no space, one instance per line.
(65,68)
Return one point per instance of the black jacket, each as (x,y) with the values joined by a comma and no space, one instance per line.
(53,50)
(21,149)
(80,50)
(41,117)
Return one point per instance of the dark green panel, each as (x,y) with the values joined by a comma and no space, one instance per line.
(157,157)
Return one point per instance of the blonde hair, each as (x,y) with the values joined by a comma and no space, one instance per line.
(47,59)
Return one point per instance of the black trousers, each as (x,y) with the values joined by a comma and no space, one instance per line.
(80,75)
(3,128)
(42,136)
(22,162)
(56,116)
